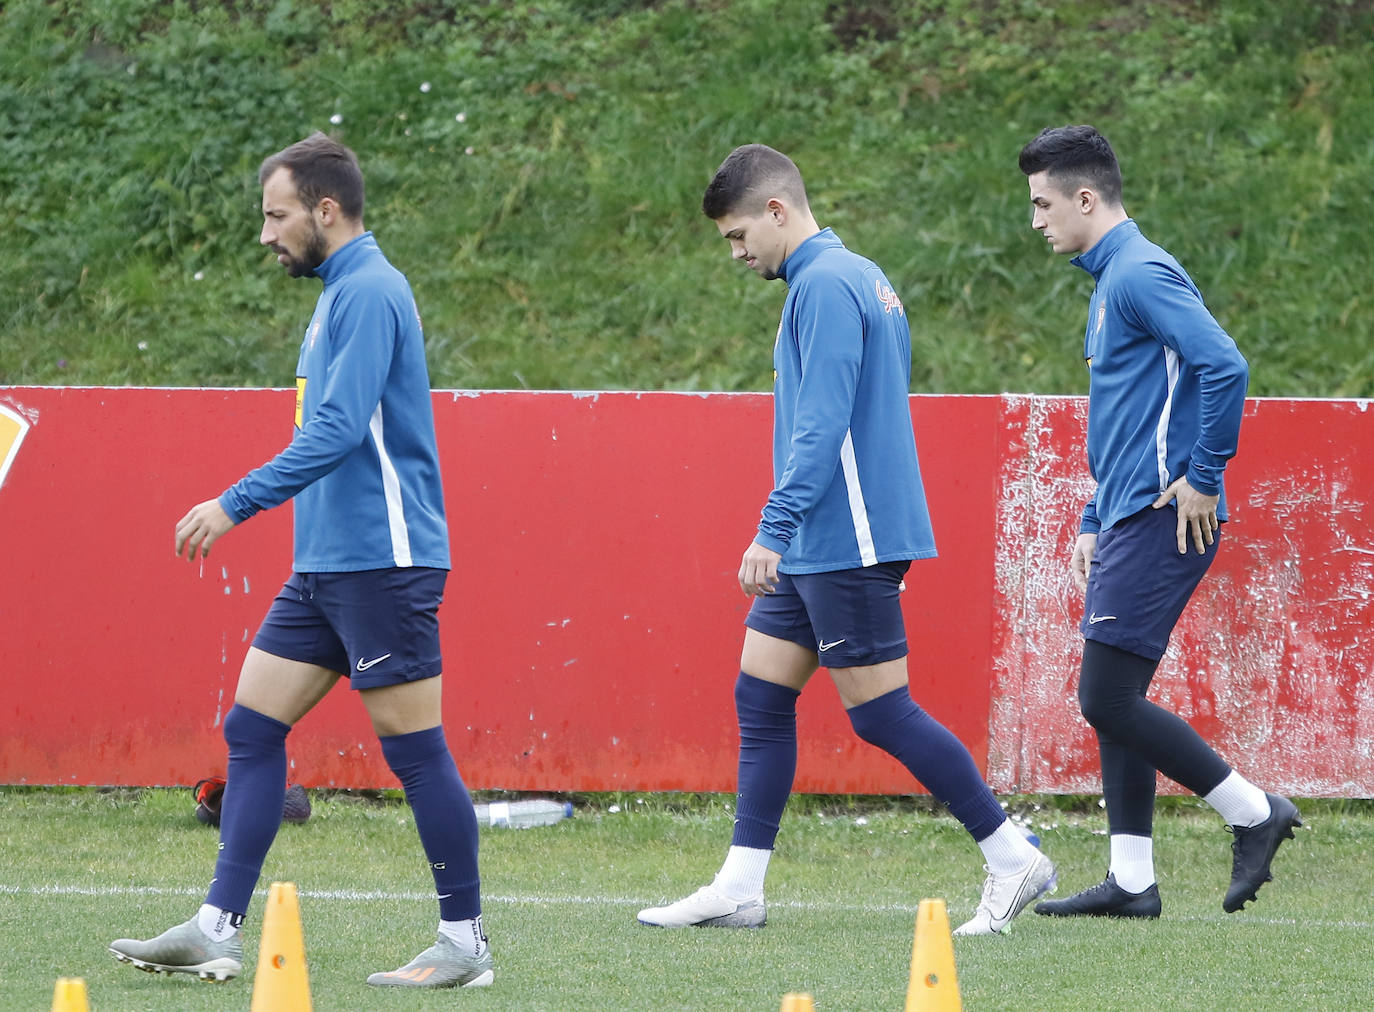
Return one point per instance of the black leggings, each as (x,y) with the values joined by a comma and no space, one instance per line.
(1135,738)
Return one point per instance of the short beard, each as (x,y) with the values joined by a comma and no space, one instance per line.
(314,254)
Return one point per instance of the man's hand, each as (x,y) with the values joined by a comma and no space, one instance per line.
(758,570)
(1083,551)
(201,527)
(1197,514)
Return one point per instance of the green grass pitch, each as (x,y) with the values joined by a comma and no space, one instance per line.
(81,867)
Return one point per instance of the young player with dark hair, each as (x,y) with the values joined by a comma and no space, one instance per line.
(842,525)
(371,560)
(1166,394)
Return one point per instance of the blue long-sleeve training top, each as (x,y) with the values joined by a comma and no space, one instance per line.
(847,484)
(1167,384)
(362,465)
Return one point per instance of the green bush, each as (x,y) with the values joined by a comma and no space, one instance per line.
(536,170)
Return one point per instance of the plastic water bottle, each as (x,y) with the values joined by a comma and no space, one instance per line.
(523,814)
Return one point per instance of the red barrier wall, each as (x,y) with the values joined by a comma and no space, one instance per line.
(592,624)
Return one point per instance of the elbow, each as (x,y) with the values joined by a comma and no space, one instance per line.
(1240,369)
(1231,374)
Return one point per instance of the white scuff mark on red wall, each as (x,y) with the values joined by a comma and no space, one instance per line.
(1044,487)
(1269,662)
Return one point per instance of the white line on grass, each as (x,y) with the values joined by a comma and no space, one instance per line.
(357,895)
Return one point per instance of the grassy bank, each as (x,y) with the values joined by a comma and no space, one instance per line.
(536,170)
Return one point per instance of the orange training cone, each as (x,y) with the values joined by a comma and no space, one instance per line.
(933,986)
(282,983)
(794,1002)
(70,995)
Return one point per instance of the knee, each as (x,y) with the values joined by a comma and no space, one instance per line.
(766,713)
(236,726)
(1102,708)
(869,730)
(887,720)
(1111,684)
(248,729)
(1090,706)
(415,748)
(767,701)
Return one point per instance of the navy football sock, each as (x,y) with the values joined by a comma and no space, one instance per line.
(934,756)
(250,813)
(767,758)
(443,817)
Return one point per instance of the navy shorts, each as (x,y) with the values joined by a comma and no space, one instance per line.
(1138,584)
(849,618)
(379,626)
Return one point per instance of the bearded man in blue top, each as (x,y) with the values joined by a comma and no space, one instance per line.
(846,517)
(371,557)
(1166,394)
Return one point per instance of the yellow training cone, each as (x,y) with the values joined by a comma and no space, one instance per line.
(797,1003)
(70,995)
(933,986)
(282,983)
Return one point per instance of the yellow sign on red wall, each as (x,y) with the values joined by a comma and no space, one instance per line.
(13,428)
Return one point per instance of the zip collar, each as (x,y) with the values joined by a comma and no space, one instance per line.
(812,246)
(346,257)
(1095,260)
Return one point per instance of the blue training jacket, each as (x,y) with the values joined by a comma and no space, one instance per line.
(847,483)
(1167,384)
(362,463)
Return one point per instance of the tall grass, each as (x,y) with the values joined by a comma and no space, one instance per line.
(536,169)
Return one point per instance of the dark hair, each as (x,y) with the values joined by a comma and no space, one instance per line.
(320,167)
(1073,156)
(751,175)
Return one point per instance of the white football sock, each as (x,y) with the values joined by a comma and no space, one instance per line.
(1238,801)
(466,934)
(741,876)
(218,923)
(1006,850)
(1133,862)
